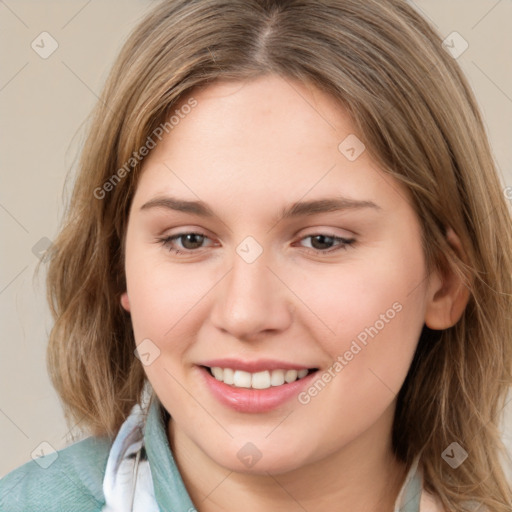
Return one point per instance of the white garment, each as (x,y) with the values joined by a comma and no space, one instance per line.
(128,485)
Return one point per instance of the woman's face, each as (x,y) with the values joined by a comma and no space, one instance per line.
(301,257)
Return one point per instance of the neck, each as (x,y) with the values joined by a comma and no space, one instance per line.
(361,477)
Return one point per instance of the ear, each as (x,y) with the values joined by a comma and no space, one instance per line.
(125,302)
(447,294)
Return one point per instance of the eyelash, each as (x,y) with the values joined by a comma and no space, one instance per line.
(344,245)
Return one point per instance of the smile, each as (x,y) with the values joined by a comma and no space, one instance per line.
(258,380)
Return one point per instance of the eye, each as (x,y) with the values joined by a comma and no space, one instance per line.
(324,243)
(189,242)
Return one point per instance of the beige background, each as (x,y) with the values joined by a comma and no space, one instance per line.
(43,103)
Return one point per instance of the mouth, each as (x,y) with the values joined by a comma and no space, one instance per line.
(258,380)
(254,387)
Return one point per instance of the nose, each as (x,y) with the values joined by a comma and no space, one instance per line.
(252,301)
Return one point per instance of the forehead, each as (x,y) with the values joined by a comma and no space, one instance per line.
(270,136)
(268,109)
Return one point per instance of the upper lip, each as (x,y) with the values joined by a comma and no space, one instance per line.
(253,366)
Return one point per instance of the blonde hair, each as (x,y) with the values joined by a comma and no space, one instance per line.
(420,122)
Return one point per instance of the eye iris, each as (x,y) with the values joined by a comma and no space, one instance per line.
(195,239)
(324,240)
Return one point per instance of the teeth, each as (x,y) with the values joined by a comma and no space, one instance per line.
(228,376)
(277,378)
(290,376)
(242,379)
(258,380)
(218,373)
(302,373)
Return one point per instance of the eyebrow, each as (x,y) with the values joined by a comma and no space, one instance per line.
(297,209)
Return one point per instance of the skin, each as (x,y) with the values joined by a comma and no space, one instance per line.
(249,150)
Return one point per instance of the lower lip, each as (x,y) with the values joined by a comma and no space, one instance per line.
(253,400)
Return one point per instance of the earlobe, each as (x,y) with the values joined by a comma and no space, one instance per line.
(448,294)
(125,302)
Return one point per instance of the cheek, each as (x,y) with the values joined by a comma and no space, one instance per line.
(164,310)
(371,310)
(376,312)
(164,296)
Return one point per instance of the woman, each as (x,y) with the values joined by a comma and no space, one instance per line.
(290,211)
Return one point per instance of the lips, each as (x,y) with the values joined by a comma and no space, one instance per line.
(254,386)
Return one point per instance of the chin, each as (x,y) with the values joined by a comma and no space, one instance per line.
(259,459)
